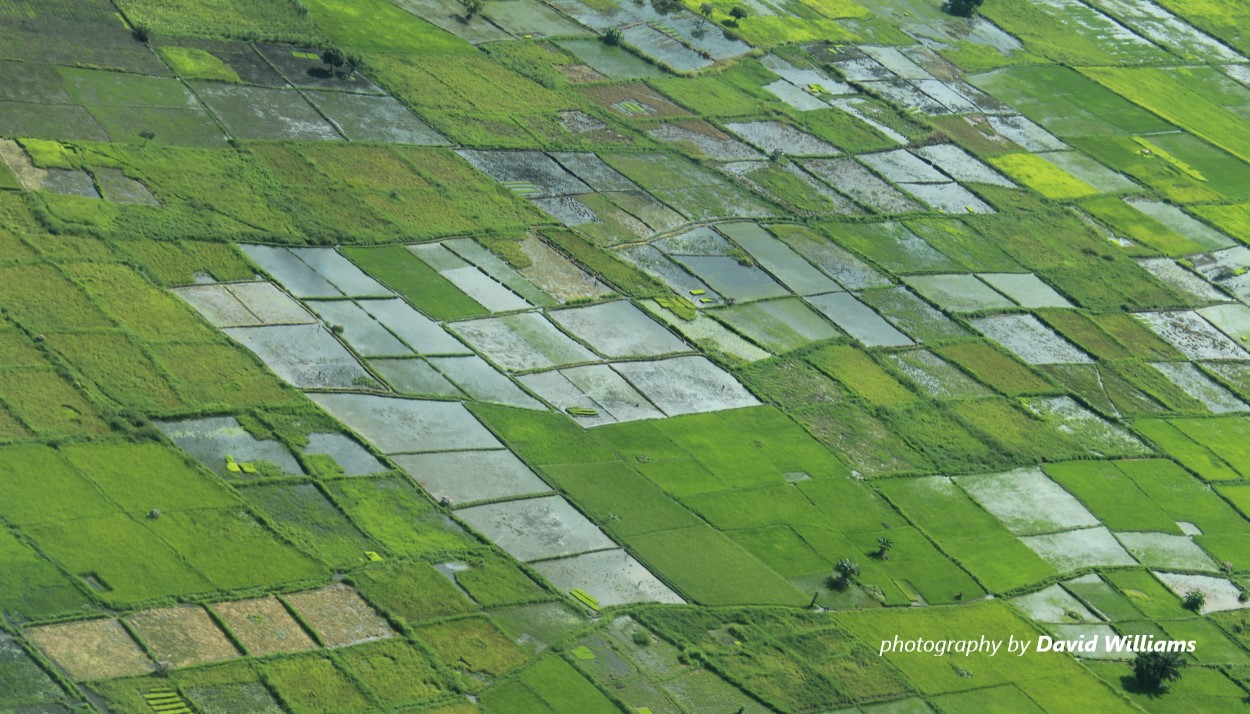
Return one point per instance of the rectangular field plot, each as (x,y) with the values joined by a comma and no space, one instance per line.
(359,329)
(468,278)
(686,385)
(263,626)
(1200,387)
(779,259)
(860,185)
(423,335)
(913,316)
(352,458)
(477,378)
(244,304)
(958,293)
(182,636)
(1027,501)
(618,329)
(536,528)
(25,682)
(363,117)
(849,271)
(497,268)
(732,279)
(964,530)
(92,649)
(1081,548)
(607,396)
(611,577)
(777,325)
(292,272)
(220,441)
(1029,339)
(464,477)
(1026,289)
(306,356)
(264,112)
(339,616)
(522,341)
(408,425)
(1193,336)
(858,320)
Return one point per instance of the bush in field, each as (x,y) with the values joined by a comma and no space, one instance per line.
(471,8)
(844,571)
(613,36)
(334,59)
(961,8)
(1152,670)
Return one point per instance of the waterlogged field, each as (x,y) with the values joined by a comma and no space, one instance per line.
(564,356)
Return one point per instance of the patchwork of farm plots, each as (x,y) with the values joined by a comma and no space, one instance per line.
(546,356)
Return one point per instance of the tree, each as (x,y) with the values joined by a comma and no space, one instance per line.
(883,547)
(706,8)
(613,36)
(844,571)
(961,8)
(1194,600)
(737,13)
(147,135)
(1152,670)
(471,8)
(334,59)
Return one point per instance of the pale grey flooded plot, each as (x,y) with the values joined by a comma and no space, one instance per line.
(710,334)
(915,317)
(495,267)
(838,263)
(947,197)
(219,305)
(1026,289)
(732,279)
(414,376)
(557,276)
(1029,339)
(307,356)
(612,577)
(960,165)
(618,397)
(1053,604)
(483,382)
(536,528)
(465,477)
(1163,550)
(1097,435)
(618,329)
(650,260)
(861,185)
(1091,172)
(1027,501)
(935,376)
(395,426)
(423,335)
(1202,388)
(366,335)
(686,385)
(902,166)
(1221,593)
(958,292)
(341,272)
(1193,336)
(521,341)
(770,136)
(1181,222)
(1173,275)
(562,394)
(1077,549)
(292,273)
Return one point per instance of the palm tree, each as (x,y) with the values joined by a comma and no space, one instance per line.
(1194,600)
(883,547)
(1152,670)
